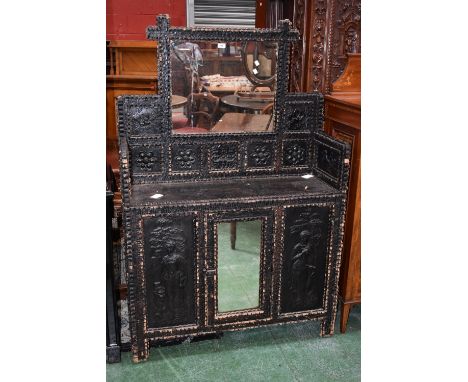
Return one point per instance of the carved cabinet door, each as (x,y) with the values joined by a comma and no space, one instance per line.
(305,259)
(171,258)
(231,273)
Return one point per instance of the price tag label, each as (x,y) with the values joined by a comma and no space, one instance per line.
(221,45)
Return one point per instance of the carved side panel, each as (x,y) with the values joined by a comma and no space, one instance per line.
(306,240)
(169,247)
(303,112)
(331,160)
(143,115)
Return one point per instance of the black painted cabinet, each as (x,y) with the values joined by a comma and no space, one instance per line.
(177,189)
(180,266)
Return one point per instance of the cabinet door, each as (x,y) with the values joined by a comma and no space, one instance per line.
(305,259)
(238,270)
(171,257)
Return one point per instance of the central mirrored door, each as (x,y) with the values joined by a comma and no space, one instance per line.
(240,261)
(239,245)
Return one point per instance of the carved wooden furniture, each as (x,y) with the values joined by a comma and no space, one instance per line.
(329,29)
(343,121)
(178,188)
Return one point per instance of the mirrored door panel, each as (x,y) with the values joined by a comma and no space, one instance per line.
(239,265)
(239,261)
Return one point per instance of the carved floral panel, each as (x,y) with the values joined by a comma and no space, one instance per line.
(146,159)
(295,153)
(260,154)
(185,158)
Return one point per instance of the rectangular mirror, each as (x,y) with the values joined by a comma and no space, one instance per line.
(223,87)
(239,265)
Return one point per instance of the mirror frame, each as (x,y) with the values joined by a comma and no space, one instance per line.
(256,81)
(263,311)
(165,35)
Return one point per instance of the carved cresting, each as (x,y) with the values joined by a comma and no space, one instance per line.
(169,271)
(304,258)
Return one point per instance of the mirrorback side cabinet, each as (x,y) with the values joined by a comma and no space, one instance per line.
(182,192)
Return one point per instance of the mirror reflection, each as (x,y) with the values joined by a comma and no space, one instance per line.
(223,87)
(238,265)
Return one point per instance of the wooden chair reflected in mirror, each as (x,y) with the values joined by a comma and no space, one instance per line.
(201,114)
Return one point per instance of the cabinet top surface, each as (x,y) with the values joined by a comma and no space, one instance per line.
(260,188)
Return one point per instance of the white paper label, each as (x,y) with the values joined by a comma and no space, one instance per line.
(256,63)
(255,71)
(307,176)
(221,45)
(156,196)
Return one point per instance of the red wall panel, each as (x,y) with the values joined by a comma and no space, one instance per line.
(128,19)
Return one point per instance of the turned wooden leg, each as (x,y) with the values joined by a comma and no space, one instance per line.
(233,234)
(345,309)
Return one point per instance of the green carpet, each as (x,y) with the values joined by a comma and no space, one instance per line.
(292,352)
